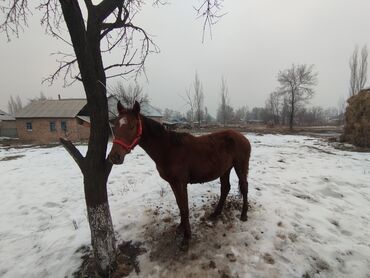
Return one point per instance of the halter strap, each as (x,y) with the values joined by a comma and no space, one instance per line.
(129,147)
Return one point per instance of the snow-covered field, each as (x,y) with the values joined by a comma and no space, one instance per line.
(309,215)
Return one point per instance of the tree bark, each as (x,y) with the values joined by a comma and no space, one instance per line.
(95,168)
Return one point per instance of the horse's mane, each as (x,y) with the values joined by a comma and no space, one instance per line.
(156,129)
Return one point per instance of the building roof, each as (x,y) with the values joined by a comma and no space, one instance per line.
(84,118)
(150,111)
(5,116)
(63,108)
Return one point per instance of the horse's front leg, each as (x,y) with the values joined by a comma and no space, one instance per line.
(181,195)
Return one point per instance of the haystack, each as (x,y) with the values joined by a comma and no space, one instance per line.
(357,119)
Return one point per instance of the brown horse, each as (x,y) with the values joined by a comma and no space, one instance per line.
(182,158)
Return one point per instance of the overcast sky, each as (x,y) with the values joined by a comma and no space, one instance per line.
(250,44)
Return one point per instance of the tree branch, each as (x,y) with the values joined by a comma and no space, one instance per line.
(209,10)
(106,7)
(89,5)
(74,152)
(66,67)
(119,23)
(15,17)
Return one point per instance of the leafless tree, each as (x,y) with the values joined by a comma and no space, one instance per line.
(189,100)
(358,70)
(274,106)
(362,71)
(129,95)
(225,111)
(194,100)
(14,105)
(198,99)
(285,111)
(353,65)
(240,114)
(95,31)
(341,110)
(296,84)
(206,116)
(40,97)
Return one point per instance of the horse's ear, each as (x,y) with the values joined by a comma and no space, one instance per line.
(120,107)
(136,108)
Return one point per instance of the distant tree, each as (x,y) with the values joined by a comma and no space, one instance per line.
(240,114)
(341,110)
(331,114)
(40,97)
(285,111)
(14,105)
(317,115)
(208,117)
(198,99)
(258,114)
(225,111)
(169,115)
(130,94)
(273,106)
(205,115)
(195,101)
(190,114)
(358,70)
(296,84)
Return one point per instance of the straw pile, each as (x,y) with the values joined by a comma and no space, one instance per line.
(357,120)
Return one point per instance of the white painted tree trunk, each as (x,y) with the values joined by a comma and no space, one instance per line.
(102,237)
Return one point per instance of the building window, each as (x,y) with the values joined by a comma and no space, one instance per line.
(29,126)
(63,125)
(52,127)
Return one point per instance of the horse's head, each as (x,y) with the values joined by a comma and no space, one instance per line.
(126,132)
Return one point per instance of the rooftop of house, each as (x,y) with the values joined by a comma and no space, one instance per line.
(50,108)
(5,116)
(150,111)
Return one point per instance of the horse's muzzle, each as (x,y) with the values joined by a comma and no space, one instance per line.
(116,158)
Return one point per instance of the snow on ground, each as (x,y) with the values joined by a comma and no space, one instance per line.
(309,215)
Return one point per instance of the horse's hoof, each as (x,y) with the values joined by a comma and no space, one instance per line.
(243,218)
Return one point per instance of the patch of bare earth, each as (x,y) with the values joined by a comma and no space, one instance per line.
(208,237)
(126,261)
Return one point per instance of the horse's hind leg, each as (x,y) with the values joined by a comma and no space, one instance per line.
(241,170)
(225,188)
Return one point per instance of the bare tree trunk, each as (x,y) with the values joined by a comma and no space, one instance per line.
(94,166)
(291,119)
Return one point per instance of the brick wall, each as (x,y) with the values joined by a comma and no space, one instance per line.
(7,124)
(8,129)
(41,132)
